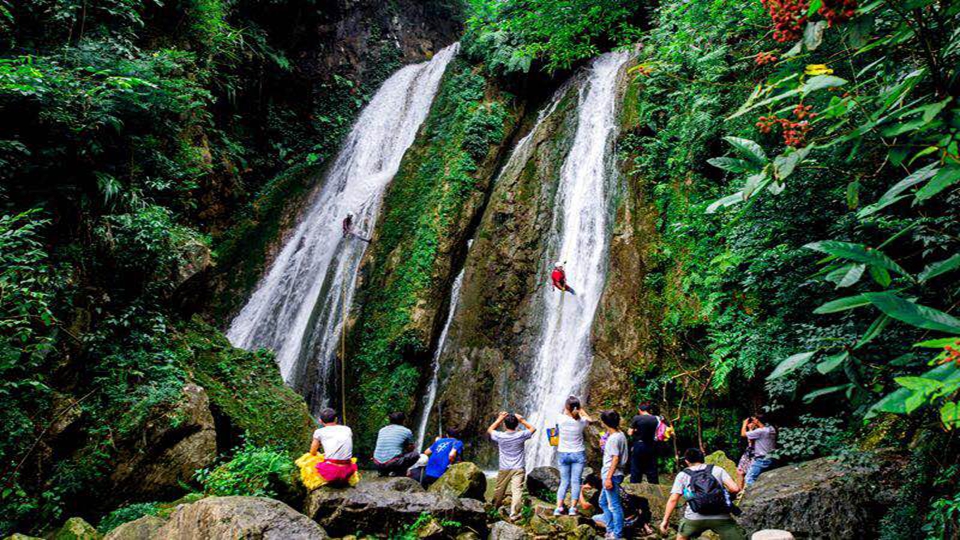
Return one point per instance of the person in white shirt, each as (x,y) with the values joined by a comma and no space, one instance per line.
(571,452)
(338,465)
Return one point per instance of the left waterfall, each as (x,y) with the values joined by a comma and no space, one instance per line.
(298,308)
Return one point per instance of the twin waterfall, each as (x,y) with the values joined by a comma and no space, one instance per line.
(298,309)
(579,239)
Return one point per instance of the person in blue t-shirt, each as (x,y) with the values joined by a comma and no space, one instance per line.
(444,452)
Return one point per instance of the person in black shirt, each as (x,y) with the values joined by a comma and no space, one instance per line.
(643,458)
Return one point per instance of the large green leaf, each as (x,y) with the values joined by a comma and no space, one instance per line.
(822,81)
(858,253)
(874,330)
(733,165)
(791,364)
(914,314)
(939,268)
(950,414)
(825,391)
(842,304)
(894,193)
(749,149)
(724,202)
(947,177)
(896,401)
(832,362)
(786,163)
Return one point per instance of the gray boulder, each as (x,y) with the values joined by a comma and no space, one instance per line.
(824,498)
(229,518)
(503,530)
(138,529)
(543,481)
(461,480)
(385,505)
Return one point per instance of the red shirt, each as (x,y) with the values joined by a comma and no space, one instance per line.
(559,278)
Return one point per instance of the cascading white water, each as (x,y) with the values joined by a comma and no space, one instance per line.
(580,235)
(298,307)
(431,396)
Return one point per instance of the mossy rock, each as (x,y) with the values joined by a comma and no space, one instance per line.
(721,460)
(77,529)
(247,395)
(462,480)
(18,536)
(143,528)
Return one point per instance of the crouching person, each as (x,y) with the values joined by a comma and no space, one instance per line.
(444,452)
(394,453)
(708,490)
(336,467)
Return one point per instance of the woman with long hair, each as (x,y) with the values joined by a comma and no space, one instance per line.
(571,453)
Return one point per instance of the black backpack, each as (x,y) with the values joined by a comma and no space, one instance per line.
(708,495)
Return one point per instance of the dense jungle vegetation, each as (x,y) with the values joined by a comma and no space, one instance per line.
(803,157)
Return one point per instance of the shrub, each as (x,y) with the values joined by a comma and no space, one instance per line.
(253,471)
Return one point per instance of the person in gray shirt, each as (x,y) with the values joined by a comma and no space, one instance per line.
(616,451)
(512,471)
(764,438)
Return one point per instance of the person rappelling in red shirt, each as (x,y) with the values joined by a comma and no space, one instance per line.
(559,278)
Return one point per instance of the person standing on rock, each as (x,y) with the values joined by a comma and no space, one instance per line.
(512,471)
(444,452)
(338,467)
(764,439)
(394,453)
(559,279)
(571,453)
(707,490)
(615,456)
(643,458)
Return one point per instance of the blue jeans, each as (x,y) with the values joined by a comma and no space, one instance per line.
(571,473)
(759,465)
(612,508)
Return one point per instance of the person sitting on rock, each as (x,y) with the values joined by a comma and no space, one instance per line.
(348,224)
(338,466)
(559,278)
(512,465)
(707,490)
(764,438)
(394,453)
(444,452)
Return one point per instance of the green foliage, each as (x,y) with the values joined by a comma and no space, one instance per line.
(253,471)
(126,514)
(509,36)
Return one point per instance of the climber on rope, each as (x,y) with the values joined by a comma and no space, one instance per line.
(348,229)
(559,278)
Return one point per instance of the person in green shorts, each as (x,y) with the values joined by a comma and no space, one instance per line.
(708,489)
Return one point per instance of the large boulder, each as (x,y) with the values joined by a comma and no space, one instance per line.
(824,498)
(656,495)
(543,483)
(385,505)
(462,480)
(139,529)
(229,518)
(175,440)
(77,529)
(503,530)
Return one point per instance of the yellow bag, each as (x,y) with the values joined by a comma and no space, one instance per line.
(311,478)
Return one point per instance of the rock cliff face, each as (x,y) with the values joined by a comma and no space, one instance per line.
(428,213)
(494,330)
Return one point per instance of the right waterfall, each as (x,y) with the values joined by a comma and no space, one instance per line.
(579,238)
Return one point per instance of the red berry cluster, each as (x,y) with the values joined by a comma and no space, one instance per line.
(953,354)
(765,58)
(794,131)
(788,17)
(838,11)
(643,71)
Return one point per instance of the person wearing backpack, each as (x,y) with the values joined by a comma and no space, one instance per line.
(705,488)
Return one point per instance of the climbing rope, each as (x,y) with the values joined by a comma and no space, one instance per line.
(343,356)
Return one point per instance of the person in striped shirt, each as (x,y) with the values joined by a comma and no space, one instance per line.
(394,453)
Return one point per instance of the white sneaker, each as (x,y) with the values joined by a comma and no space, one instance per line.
(572,511)
(558,511)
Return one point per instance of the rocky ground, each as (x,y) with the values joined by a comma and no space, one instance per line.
(823,498)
